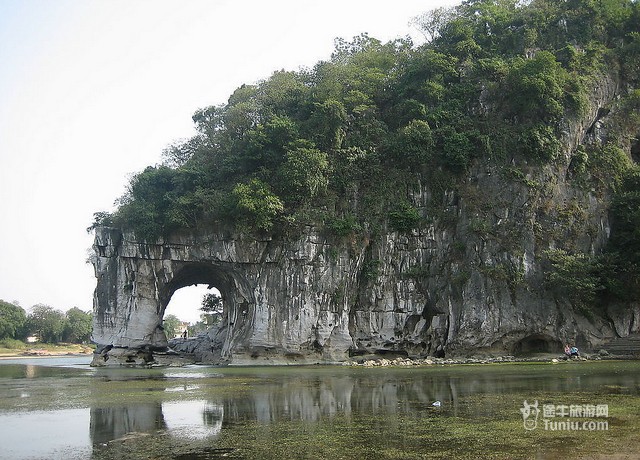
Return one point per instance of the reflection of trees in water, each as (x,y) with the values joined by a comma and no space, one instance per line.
(30,371)
(212,415)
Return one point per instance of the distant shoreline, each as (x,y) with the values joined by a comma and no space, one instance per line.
(52,355)
(41,355)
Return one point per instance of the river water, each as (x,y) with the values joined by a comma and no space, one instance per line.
(61,408)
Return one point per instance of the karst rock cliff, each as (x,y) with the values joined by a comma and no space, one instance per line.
(472,281)
(477,194)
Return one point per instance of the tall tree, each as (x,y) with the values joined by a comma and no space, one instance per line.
(12,321)
(171,324)
(212,308)
(430,22)
(46,323)
(78,326)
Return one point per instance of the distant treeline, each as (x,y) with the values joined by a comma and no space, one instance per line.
(45,323)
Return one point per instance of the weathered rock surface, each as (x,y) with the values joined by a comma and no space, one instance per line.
(472,280)
(302,302)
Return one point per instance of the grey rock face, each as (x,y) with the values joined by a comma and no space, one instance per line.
(312,300)
(470,281)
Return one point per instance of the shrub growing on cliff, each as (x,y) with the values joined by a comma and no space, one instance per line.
(536,88)
(343,226)
(257,206)
(576,277)
(622,275)
(303,175)
(404,217)
(539,143)
(414,145)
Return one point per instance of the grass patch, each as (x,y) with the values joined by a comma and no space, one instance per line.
(11,346)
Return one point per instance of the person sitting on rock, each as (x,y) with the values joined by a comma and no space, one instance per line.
(567,350)
(574,352)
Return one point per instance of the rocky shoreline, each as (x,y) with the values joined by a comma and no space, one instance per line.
(431,361)
(179,359)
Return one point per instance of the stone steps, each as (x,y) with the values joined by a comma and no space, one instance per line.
(629,345)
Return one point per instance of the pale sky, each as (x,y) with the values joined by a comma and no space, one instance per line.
(92,91)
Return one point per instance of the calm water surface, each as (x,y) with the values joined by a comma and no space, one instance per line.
(61,408)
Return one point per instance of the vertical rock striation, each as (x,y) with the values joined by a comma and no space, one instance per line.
(319,300)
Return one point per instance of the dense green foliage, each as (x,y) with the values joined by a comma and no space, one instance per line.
(12,321)
(212,309)
(497,81)
(78,326)
(46,323)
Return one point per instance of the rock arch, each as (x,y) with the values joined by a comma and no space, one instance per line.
(136,282)
(277,305)
(234,289)
(303,300)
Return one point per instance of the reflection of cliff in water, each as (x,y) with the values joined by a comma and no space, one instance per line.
(387,393)
(193,419)
(316,395)
(323,396)
(111,423)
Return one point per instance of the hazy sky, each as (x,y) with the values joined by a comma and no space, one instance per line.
(91,91)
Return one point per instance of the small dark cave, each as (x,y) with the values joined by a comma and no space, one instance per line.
(537,343)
